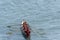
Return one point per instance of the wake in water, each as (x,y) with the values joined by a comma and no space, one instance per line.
(25,30)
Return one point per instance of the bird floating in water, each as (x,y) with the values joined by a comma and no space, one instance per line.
(25,30)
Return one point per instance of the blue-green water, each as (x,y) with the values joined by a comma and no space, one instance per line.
(44,15)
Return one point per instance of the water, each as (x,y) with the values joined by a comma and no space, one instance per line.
(40,14)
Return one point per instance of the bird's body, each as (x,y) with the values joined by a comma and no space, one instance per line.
(25,30)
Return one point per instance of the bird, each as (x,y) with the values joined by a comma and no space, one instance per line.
(25,30)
